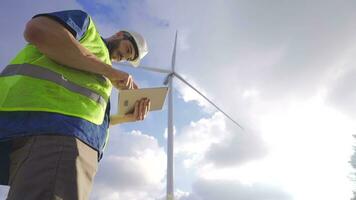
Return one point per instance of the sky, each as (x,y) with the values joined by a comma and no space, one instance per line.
(283,69)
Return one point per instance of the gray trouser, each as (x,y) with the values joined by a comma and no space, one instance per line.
(51,168)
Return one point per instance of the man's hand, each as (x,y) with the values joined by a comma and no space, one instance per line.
(121,80)
(142,107)
(140,112)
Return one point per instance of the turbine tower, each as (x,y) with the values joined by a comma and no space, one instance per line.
(170,137)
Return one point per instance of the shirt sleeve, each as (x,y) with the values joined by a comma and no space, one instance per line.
(75,21)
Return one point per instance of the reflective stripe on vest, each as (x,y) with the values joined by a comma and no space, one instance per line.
(48,75)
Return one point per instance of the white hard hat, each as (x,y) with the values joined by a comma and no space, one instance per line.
(141,47)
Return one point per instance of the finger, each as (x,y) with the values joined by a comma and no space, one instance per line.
(147,106)
(135,86)
(128,81)
(136,111)
(131,85)
(142,108)
(145,111)
(127,85)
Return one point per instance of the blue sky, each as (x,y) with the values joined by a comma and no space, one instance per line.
(283,69)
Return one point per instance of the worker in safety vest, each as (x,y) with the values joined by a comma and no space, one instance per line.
(54,105)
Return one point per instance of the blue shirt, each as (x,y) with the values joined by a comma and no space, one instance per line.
(27,123)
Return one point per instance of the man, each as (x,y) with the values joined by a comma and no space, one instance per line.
(54,105)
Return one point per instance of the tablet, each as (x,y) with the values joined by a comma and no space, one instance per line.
(128,98)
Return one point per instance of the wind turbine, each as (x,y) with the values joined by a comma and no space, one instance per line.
(170,137)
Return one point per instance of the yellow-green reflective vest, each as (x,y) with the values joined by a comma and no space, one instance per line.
(34,82)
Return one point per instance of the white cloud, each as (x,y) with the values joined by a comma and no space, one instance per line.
(307,142)
(231,190)
(210,141)
(341,92)
(3,191)
(188,94)
(198,136)
(239,148)
(310,141)
(133,168)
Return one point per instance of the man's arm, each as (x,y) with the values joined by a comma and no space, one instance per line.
(56,42)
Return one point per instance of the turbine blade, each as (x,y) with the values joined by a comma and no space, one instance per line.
(174,52)
(206,98)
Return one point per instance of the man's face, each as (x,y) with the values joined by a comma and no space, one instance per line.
(125,51)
